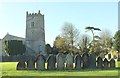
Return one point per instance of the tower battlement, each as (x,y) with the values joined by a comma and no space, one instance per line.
(33,14)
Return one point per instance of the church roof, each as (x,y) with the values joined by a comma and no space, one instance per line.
(12,37)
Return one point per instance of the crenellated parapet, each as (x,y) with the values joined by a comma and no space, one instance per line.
(33,14)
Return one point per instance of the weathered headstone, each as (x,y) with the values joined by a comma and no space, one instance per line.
(106,63)
(109,56)
(40,62)
(51,60)
(85,58)
(69,61)
(60,59)
(99,62)
(102,55)
(78,61)
(92,60)
(112,63)
(31,64)
(21,65)
(118,56)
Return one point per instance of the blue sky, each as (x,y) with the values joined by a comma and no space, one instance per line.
(103,15)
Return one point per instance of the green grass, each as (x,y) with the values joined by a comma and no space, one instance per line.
(9,69)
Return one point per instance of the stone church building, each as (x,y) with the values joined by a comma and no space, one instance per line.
(35,36)
(8,37)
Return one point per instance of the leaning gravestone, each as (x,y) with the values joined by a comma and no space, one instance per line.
(31,63)
(112,63)
(85,58)
(92,60)
(105,63)
(21,65)
(78,61)
(51,60)
(99,62)
(40,62)
(60,59)
(69,61)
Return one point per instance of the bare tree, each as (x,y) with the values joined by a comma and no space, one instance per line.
(106,39)
(84,41)
(70,33)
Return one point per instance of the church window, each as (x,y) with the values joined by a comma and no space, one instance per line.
(32,24)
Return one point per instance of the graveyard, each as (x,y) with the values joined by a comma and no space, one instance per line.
(67,57)
(62,65)
(9,69)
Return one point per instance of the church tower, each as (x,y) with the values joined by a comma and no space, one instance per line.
(35,34)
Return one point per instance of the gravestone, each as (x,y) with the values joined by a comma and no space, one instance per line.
(99,62)
(40,62)
(85,58)
(51,60)
(109,56)
(69,61)
(92,60)
(118,56)
(105,63)
(78,61)
(21,65)
(31,63)
(60,59)
(112,63)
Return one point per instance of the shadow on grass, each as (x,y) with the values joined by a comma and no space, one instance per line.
(75,70)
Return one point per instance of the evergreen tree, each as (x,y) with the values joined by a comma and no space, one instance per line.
(116,44)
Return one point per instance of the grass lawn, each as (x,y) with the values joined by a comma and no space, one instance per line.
(9,69)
